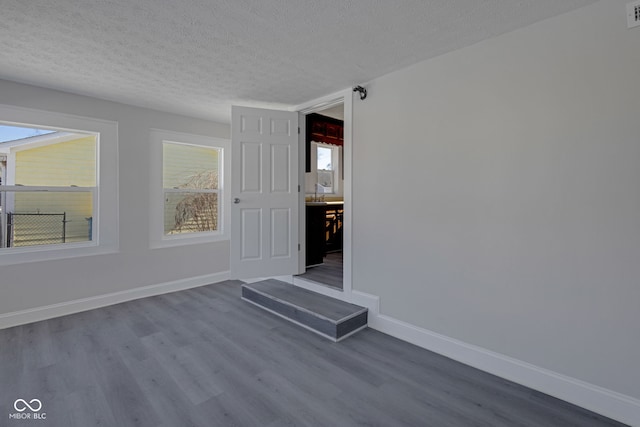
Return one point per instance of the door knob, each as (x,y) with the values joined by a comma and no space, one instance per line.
(236,200)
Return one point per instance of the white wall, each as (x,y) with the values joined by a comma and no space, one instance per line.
(508,213)
(38,284)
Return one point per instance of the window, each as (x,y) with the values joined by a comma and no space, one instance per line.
(325,170)
(325,155)
(190,186)
(51,203)
(48,187)
(190,199)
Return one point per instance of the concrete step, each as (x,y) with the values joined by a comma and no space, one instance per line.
(326,316)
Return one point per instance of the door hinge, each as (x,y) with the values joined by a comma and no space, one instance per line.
(298,188)
(298,130)
(298,247)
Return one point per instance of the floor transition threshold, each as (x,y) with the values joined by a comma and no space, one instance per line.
(326,316)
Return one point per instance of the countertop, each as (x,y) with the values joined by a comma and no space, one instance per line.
(324,203)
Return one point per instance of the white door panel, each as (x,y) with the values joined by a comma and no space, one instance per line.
(251,167)
(280,234)
(280,171)
(264,224)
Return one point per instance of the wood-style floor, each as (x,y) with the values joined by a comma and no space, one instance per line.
(203,357)
(329,273)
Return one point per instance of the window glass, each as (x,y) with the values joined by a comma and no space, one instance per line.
(47,186)
(325,158)
(190,212)
(324,175)
(46,218)
(190,176)
(189,166)
(12,133)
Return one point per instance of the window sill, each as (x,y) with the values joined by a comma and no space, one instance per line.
(53,252)
(187,240)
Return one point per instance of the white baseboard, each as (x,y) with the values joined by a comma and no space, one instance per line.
(606,402)
(22,317)
(372,302)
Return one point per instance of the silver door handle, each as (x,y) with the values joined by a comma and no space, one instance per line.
(236,200)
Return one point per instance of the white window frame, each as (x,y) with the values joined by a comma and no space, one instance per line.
(105,232)
(158,238)
(335,163)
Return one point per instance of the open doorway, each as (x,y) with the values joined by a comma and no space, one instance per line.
(324,196)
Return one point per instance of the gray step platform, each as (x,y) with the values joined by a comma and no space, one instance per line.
(329,317)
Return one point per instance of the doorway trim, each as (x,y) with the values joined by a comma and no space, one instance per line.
(344,97)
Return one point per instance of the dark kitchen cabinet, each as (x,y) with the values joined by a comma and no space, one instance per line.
(324,231)
(315,234)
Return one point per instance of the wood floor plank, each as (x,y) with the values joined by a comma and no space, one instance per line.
(76,404)
(289,397)
(171,405)
(39,349)
(203,357)
(329,273)
(129,404)
(237,384)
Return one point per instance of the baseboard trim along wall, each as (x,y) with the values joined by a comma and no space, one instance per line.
(606,402)
(75,306)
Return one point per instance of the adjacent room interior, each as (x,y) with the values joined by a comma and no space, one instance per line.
(324,196)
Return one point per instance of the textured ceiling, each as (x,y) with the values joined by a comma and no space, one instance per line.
(197,57)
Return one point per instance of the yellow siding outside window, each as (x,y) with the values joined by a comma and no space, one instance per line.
(65,164)
(62,165)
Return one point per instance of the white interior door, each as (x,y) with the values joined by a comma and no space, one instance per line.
(264,187)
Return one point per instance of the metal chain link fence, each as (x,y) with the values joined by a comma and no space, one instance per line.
(30,229)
